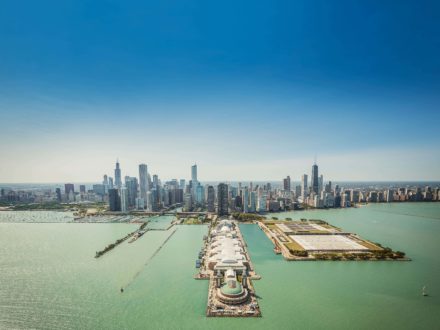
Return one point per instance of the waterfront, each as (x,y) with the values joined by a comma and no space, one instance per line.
(51,280)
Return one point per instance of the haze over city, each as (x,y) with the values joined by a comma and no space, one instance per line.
(249,91)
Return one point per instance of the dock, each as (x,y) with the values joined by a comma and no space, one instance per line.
(226,263)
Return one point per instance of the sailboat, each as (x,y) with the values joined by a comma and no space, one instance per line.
(424,293)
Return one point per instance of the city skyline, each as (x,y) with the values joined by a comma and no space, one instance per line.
(150,193)
(354,83)
(173,164)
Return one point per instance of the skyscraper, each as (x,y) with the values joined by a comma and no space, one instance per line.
(245,195)
(58,193)
(124,199)
(304,180)
(187,201)
(114,199)
(194,174)
(194,182)
(200,194)
(315,179)
(389,197)
(69,188)
(155,181)
(222,199)
(118,181)
(211,199)
(100,189)
(286,183)
(143,182)
(131,184)
(253,202)
(262,201)
(150,200)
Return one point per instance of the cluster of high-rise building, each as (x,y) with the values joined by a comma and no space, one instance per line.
(148,192)
(319,194)
(145,192)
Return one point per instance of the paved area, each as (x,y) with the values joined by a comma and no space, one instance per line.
(327,242)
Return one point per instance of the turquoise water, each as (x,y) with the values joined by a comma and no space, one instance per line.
(50,280)
(160,222)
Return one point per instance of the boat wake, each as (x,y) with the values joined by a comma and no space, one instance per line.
(148,261)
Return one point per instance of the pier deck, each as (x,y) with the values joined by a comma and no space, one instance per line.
(217,308)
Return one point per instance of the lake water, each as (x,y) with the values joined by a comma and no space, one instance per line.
(50,279)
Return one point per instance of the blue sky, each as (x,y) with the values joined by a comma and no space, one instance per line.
(248,90)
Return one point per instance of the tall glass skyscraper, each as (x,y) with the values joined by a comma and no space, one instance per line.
(194,182)
(315,179)
(118,181)
(222,199)
(304,186)
(143,182)
(245,195)
(114,199)
(194,174)
(211,199)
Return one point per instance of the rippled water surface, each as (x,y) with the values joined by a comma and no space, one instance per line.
(50,279)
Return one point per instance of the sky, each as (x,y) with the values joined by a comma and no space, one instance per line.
(248,90)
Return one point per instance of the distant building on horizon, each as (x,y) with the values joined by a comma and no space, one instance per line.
(253,202)
(222,199)
(304,186)
(143,183)
(194,173)
(100,189)
(123,193)
(315,179)
(118,181)
(211,199)
(114,199)
(69,188)
(131,183)
(245,196)
(287,183)
(58,193)
(321,183)
(194,182)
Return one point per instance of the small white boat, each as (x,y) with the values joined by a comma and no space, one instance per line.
(424,293)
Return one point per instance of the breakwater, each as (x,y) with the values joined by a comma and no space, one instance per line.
(119,241)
